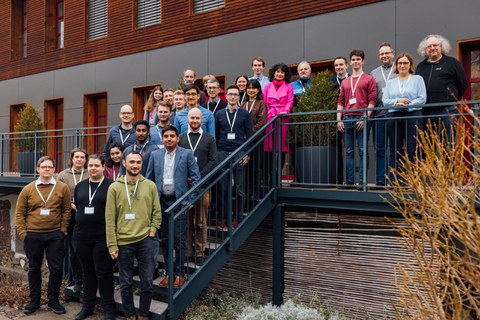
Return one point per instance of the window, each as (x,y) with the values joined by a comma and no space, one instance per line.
(19,29)
(139,99)
(54,32)
(97,19)
(95,115)
(200,6)
(53,118)
(148,13)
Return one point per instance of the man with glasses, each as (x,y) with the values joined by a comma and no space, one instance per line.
(441,73)
(41,218)
(192,94)
(377,125)
(188,79)
(214,103)
(234,127)
(123,133)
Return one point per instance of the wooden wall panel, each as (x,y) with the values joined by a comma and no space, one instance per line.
(178,25)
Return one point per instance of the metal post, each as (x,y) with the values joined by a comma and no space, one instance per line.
(278,272)
(365,149)
(170,273)
(230,205)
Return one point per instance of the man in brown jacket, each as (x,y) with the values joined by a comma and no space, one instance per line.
(42,216)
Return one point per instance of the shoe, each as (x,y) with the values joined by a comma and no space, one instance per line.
(199,261)
(56,307)
(31,307)
(179,281)
(86,312)
(164,282)
(78,287)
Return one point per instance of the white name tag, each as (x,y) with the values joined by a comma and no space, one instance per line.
(89,210)
(353,100)
(130,216)
(160,146)
(168,181)
(231,136)
(44,212)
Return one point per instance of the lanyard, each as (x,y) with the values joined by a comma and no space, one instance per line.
(90,195)
(231,124)
(402,87)
(115,177)
(158,132)
(383,74)
(121,137)
(190,141)
(216,106)
(352,87)
(74,178)
(49,195)
(141,150)
(243,98)
(338,81)
(251,107)
(128,193)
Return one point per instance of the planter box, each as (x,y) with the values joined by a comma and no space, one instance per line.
(27,162)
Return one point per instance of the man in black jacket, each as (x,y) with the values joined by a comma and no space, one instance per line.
(205,151)
(443,75)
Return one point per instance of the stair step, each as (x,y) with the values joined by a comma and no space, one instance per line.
(157,308)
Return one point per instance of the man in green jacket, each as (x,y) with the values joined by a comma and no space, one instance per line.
(132,217)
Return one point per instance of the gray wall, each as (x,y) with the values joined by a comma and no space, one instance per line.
(402,22)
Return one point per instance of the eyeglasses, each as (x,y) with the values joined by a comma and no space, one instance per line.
(403,63)
(190,94)
(433,45)
(385,53)
(46,167)
(232,95)
(212,88)
(125,113)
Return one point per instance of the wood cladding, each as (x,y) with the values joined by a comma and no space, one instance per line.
(179,25)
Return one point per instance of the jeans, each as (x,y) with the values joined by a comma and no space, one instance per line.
(352,136)
(52,244)
(377,126)
(97,266)
(142,250)
(179,244)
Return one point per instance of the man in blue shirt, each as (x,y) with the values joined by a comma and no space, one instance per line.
(304,71)
(192,93)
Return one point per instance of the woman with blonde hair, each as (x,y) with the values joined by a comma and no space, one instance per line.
(150,108)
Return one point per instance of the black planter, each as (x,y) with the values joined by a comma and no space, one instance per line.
(316,165)
(27,162)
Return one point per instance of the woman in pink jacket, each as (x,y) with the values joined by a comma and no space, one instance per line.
(278,96)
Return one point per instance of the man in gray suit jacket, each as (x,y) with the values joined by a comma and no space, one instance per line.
(173,169)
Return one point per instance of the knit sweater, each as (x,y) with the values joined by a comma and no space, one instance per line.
(66,177)
(145,205)
(29,204)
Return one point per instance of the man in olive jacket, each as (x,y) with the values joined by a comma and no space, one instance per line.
(132,218)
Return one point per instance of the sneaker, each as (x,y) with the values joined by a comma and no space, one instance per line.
(86,312)
(56,307)
(31,307)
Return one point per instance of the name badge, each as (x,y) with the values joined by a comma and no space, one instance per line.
(352,100)
(196,160)
(231,136)
(89,210)
(44,212)
(160,146)
(168,181)
(130,216)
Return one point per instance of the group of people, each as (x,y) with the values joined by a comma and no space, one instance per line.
(113,206)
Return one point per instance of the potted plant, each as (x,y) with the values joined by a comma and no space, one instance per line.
(29,141)
(314,135)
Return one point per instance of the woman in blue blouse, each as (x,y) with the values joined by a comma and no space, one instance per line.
(403,95)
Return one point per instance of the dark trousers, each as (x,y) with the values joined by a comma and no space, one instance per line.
(97,266)
(142,250)
(75,270)
(52,244)
(179,244)
(239,188)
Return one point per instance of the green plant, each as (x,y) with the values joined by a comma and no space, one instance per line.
(316,129)
(29,121)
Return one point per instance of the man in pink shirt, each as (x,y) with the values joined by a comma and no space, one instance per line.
(356,93)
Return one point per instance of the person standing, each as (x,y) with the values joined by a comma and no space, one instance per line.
(71,176)
(42,216)
(89,240)
(299,86)
(214,103)
(163,113)
(204,150)
(382,75)
(132,217)
(150,108)
(113,162)
(122,133)
(441,73)
(258,65)
(357,92)
(173,169)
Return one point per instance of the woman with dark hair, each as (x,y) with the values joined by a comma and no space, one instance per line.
(401,95)
(89,240)
(278,97)
(113,161)
(150,108)
(255,105)
(77,163)
(241,82)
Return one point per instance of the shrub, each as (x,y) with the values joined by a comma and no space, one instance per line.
(29,120)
